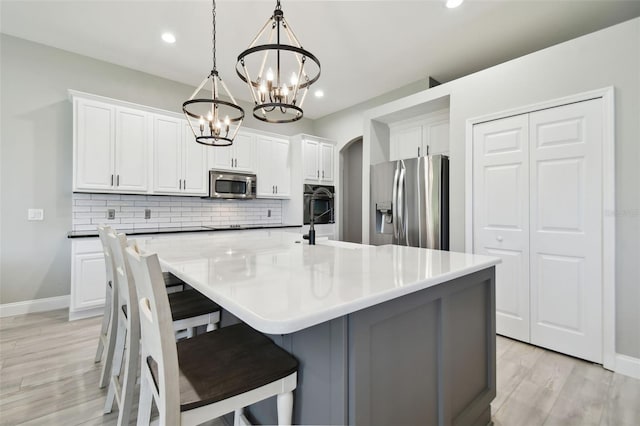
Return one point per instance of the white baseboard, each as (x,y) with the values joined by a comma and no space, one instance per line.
(629,366)
(37,305)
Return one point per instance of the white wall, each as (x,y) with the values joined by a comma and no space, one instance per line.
(36,154)
(609,57)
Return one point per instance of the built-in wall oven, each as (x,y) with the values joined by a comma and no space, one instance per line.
(322,204)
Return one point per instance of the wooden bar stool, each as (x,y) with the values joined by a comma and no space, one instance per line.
(107,332)
(189,309)
(209,375)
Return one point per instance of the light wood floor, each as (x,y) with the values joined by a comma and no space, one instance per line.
(48,377)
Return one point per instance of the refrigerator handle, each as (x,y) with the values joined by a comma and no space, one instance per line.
(394,203)
(402,206)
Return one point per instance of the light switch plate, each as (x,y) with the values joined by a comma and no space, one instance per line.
(111,214)
(35,214)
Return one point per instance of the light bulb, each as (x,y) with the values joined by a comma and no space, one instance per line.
(209,117)
(218,125)
(226,120)
(201,124)
(453,3)
(263,88)
(269,74)
(294,79)
(285,91)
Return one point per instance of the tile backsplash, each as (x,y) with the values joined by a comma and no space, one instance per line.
(89,210)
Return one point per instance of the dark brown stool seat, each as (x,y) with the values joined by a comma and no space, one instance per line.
(189,304)
(171,280)
(229,362)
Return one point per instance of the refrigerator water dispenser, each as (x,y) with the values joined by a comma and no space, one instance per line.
(384,218)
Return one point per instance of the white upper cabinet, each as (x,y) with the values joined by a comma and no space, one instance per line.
(110,148)
(179,162)
(238,157)
(420,136)
(274,168)
(195,170)
(318,161)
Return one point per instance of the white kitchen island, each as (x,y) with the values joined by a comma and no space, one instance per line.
(384,335)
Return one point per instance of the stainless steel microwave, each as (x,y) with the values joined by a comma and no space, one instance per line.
(232,185)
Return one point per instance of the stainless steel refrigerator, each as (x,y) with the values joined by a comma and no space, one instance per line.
(410,202)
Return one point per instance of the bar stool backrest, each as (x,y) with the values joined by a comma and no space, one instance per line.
(157,335)
(124,279)
(103,230)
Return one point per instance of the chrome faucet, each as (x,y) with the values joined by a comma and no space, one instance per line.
(311,236)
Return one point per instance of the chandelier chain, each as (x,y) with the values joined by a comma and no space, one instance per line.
(213,34)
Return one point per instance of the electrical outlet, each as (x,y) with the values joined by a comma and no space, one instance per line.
(269,213)
(111,214)
(147,213)
(35,214)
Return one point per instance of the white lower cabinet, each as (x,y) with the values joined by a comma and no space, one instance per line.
(274,168)
(88,278)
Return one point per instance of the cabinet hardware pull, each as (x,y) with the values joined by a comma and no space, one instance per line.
(273,189)
(276,189)
(418,151)
(427,149)
(184,184)
(111,180)
(232,162)
(236,162)
(318,173)
(118,180)
(179,183)
(323,174)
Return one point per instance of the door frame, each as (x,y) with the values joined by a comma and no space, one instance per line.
(608,199)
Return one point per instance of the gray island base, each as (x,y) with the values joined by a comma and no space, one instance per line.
(427,358)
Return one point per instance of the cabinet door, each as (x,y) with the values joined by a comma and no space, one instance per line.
(326,156)
(167,146)
(244,153)
(407,143)
(311,160)
(94,150)
(281,161)
(195,172)
(265,168)
(89,281)
(131,150)
(221,157)
(436,137)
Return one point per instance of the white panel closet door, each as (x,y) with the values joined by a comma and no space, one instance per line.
(501,216)
(566,229)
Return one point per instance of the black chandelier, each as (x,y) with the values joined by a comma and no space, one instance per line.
(278,99)
(213,121)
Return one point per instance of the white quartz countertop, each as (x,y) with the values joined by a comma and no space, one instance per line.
(279,284)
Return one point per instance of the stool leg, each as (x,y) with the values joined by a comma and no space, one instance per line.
(104,330)
(144,404)
(128,383)
(111,339)
(117,365)
(285,408)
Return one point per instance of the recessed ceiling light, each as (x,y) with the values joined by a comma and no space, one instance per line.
(168,38)
(319,93)
(454,3)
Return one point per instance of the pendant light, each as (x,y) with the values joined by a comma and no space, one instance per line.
(213,121)
(283,71)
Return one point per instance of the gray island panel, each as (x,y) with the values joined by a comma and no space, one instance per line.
(424,358)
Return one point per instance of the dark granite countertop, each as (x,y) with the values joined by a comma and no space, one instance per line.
(89,234)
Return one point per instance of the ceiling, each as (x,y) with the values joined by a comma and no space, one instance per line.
(366,48)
